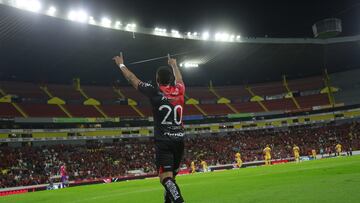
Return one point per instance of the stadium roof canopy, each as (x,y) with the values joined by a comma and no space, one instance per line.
(39,48)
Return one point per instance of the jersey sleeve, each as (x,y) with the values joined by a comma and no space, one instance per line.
(147,89)
(181,87)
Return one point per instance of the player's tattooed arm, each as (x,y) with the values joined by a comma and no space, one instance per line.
(172,62)
(131,77)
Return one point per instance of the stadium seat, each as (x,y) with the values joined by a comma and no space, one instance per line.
(216,109)
(8,110)
(303,84)
(247,107)
(280,104)
(313,100)
(100,92)
(23,90)
(66,92)
(119,111)
(273,88)
(78,110)
(232,92)
(201,93)
(42,110)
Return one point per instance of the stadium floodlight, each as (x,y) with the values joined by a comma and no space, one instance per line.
(130,26)
(175,33)
(106,22)
(222,36)
(195,34)
(51,11)
(160,30)
(205,36)
(189,34)
(79,16)
(30,5)
(118,24)
(92,20)
(189,65)
(238,37)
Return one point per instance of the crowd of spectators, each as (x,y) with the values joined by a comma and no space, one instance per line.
(35,165)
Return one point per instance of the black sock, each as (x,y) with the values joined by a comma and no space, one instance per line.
(173,189)
(167,198)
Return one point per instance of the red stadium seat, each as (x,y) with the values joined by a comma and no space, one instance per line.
(8,110)
(78,110)
(100,92)
(42,110)
(119,111)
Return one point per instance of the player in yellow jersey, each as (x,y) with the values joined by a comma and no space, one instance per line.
(338,148)
(267,155)
(313,153)
(192,166)
(296,151)
(238,160)
(204,166)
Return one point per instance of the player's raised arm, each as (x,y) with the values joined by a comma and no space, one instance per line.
(172,62)
(131,77)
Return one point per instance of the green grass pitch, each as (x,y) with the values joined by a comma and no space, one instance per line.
(327,180)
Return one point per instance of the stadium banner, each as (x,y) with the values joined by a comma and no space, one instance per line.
(66,120)
(85,120)
(240,115)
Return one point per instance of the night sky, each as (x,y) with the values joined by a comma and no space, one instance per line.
(255,18)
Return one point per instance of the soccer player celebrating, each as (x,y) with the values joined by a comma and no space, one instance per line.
(167,101)
(296,151)
(267,155)
(338,149)
(238,160)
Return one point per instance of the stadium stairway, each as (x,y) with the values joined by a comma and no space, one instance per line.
(52,100)
(329,89)
(222,100)
(132,103)
(89,101)
(195,103)
(289,93)
(256,98)
(17,107)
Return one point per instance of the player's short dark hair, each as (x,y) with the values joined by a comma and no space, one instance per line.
(164,75)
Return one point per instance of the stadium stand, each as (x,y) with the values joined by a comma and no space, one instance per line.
(78,110)
(8,110)
(280,104)
(120,111)
(42,110)
(307,93)
(66,92)
(34,165)
(100,92)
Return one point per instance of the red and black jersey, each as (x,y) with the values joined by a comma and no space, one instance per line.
(168,104)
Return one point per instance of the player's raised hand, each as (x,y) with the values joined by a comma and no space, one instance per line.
(119,59)
(171,61)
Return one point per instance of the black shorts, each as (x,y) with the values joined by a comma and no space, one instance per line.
(169,155)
